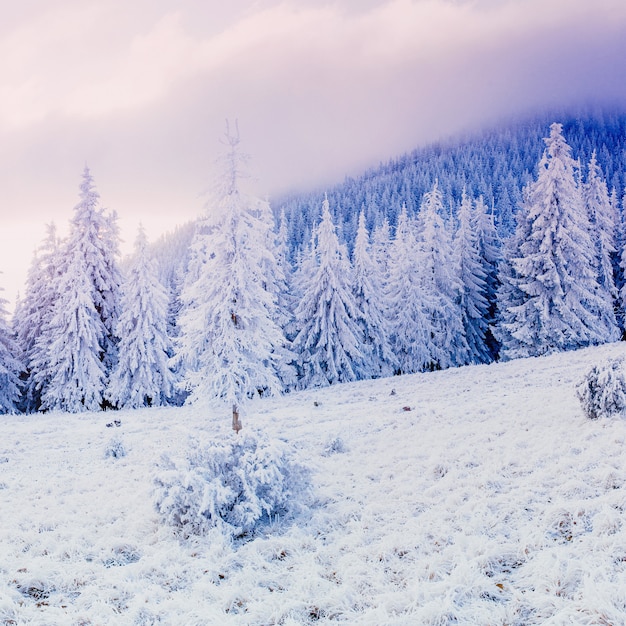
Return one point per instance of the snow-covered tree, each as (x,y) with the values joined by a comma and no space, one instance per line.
(76,372)
(279,279)
(108,288)
(80,342)
(441,287)
(473,295)
(142,376)
(381,245)
(490,254)
(285,298)
(603,221)
(229,344)
(328,339)
(370,304)
(553,267)
(10,365)
(33,318)
(410,329)
(621,266)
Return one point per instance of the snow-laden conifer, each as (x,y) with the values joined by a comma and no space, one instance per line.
(603,221)
(142,376)
(381,249)
(109,287)
(621,265)
(554,267)
(441,287)
(94,231)
(76,372)
(33,318)
(410,332)
(370,303)
(473,301)
(10,364)
(490,254)
(280,280)
(328,338)
(285,298)
(229,340)
(80,344)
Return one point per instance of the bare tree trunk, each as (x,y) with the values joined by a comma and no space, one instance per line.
(236,423)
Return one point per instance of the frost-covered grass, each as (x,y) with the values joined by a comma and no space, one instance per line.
(493,500)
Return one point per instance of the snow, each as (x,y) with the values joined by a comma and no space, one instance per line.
(493,500)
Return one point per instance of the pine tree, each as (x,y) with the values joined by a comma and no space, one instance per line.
(603,222)
(80,343)
(76,376)
(229,339)
(10,365)
(281,279)
(490,256)
(33,319)
(441,287)
(381,243)
(473,300)
(554,264)
(621,266)
(370,304)
(109,290)
(411,331)
(142,376)
(328,339)
(285,298)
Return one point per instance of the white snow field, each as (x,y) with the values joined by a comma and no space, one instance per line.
(492,501)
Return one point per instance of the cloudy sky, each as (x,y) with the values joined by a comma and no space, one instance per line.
(139,90)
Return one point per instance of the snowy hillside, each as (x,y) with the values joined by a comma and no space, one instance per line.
(493,500)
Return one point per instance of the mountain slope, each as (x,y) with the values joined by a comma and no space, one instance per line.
(491,501)
(496,164)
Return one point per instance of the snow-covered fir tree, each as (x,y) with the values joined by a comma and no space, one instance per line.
(32,319)
(328,338)
(230,345)
(604,222)
(490,255)
(620,266)
(410,329)
(142,376)
(473,301)
(509,295)
(381,243)
(369,294)
(441,287)
(108,284)
(279,279)
(76,376)
(284,296)
(557,306)
(80,334)
(10,365)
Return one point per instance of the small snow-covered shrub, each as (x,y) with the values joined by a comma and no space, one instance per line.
(334,445)
(115,448)
(121,555)
(237,483)
(602,393)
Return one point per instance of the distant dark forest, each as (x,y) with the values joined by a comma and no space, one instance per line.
(495,164)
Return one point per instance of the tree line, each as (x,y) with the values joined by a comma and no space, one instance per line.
(257,311)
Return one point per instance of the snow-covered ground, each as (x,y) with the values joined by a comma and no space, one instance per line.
(493,500)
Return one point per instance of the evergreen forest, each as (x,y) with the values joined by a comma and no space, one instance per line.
(505,244)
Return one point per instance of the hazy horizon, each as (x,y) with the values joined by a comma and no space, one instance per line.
(321,90)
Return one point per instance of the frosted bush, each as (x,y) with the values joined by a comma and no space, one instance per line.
(238,484)
(602,392)
(334,445)
(115,448)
